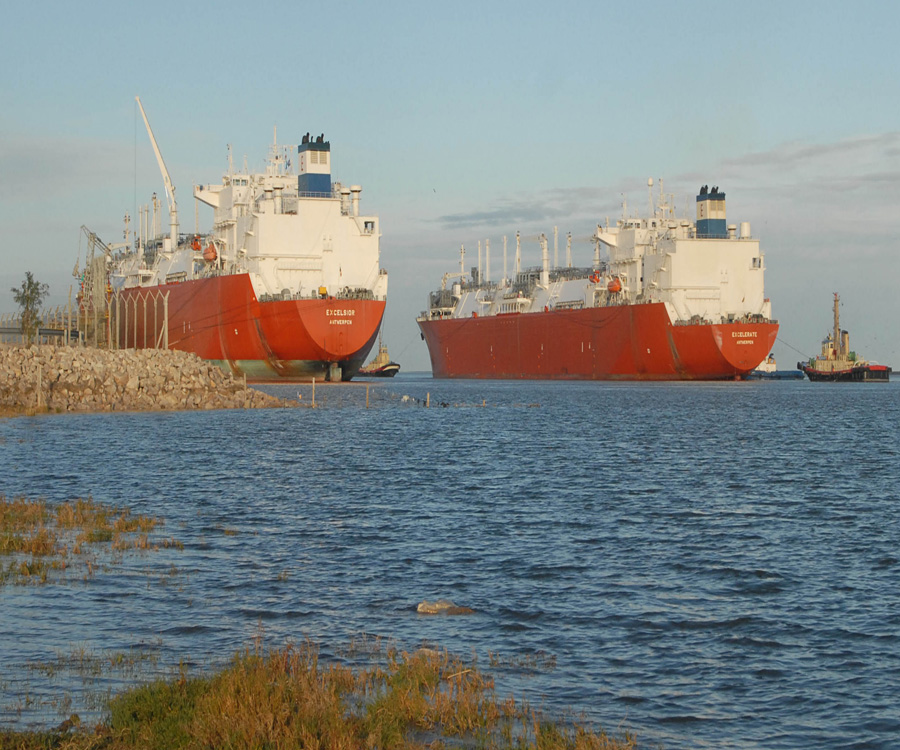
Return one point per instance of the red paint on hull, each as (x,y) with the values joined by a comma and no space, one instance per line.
(630,342)
(220,319)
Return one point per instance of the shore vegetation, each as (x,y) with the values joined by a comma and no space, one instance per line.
(286,698)
(43,543)
(29,297)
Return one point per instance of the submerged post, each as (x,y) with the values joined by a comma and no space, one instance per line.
(314,393)
(427,400)
(367,395)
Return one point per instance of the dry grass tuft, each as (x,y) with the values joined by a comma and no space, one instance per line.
(41,540)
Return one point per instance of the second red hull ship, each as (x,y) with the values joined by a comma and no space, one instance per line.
(633,342)
(676,300)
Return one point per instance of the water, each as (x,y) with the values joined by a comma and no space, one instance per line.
(708,565)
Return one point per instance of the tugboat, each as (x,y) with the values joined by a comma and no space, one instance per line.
(381,365)
(837,363)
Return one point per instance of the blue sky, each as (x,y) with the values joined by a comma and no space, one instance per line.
(466,121)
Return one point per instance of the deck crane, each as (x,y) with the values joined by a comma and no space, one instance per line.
(170,188)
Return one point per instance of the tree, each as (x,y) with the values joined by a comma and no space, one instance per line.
(29,299)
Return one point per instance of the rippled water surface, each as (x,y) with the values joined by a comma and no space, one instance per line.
(707,565)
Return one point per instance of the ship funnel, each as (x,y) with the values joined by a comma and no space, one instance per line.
(711,213)
(345,201)
(314,167)
(355,190)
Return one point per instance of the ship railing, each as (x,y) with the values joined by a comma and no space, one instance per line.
(436,313)
(569,304)
(355,293)
(311,194)
(699,320)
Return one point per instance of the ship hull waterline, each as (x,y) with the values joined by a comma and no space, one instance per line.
(863,374)
(221,320)
(627,342)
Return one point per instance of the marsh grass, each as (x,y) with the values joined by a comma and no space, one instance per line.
(89,664)
(536,662)
(286,698)
(43,543)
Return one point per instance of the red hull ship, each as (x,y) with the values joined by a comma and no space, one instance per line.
(287,285)
(634,342)
(221,320)
(675,301)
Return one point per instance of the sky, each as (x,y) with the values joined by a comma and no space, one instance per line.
(468,121)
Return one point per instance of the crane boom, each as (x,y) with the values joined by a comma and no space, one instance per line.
(170,188)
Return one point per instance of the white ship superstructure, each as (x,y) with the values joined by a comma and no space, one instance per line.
(705,271)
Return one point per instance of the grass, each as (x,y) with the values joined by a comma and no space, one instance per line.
(284,698)
(44,543)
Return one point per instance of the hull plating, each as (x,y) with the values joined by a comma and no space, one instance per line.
(221,320)
(630,342)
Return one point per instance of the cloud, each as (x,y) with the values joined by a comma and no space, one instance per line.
(829,187)
(30,166)
(798,155)
(530,209)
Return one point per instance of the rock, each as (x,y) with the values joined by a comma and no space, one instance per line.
(84,379)
(442,607)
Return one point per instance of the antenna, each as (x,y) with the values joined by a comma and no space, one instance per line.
(556,247)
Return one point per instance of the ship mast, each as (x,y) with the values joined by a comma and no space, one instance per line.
(170,188)
(837,327)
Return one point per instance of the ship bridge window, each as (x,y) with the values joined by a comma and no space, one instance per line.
(757,263)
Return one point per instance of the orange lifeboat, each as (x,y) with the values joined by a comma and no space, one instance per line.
(594,278)
(195,245)
(210,254)
(614,286)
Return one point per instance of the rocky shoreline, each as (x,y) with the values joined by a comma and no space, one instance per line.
(78,379)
